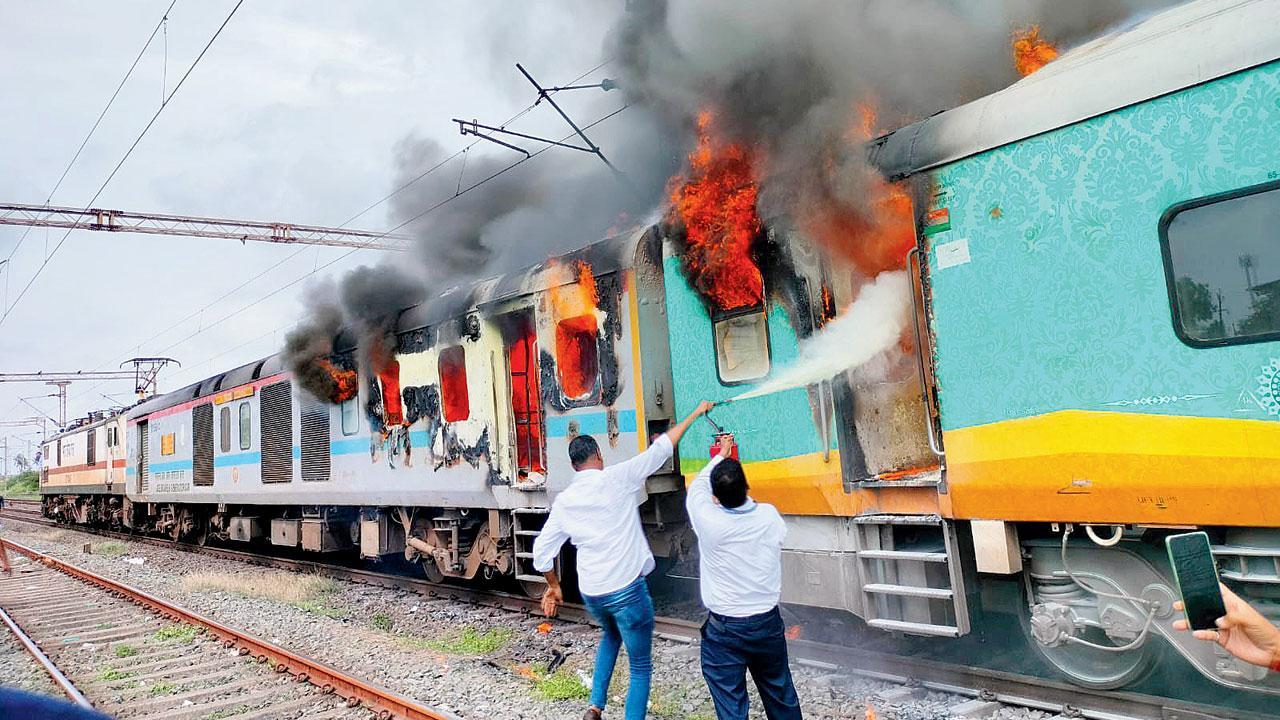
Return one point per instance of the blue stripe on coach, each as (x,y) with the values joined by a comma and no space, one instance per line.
(595,423)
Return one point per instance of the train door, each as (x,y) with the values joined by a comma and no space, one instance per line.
(526,401)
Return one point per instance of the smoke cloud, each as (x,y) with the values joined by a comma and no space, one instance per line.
(793,81)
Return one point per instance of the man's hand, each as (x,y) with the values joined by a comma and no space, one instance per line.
(551,600)
(703,408)
(675,433)
(726,445)
(1243,632)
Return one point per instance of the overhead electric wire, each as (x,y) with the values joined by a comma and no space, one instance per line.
(401,188)
(93,129)
(120,164)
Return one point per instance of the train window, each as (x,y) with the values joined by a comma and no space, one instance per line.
(91,447)
(577,358)
(742,347)
(351,415)
(1222,263)
(246,428)
(167,444)
(453,384)
(224,429)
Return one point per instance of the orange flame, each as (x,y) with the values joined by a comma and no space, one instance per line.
(877,233)
(794,632)
(716,203)
(870,713)
(344,381)
(1032,52)
(544,628)
(574,307)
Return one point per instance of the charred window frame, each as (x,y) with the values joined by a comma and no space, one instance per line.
(455,398)
(577,342)
(1263,298)
(224,429)
(246,426)
(722,323)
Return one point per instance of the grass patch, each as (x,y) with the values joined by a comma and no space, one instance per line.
(103,626)
(306,592)
(124,651)
(381,621)
(162,688)
(110,548)
(226,712)
(112,674)
(180,633)
(473,642)
(563,684)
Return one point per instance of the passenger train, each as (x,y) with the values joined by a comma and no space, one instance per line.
(1097,286)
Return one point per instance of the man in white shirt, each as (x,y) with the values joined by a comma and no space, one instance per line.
(599,514)
(740,566)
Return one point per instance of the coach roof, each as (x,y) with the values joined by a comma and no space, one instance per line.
(1184,46)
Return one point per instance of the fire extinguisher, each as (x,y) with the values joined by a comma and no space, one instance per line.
(717,433)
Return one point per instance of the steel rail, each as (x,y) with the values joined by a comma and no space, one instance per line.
(1010,688)
(356,692)
(62,681)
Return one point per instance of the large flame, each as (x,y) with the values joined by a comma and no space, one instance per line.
(877,232)
(1032,52)
(342,383)
(715,201)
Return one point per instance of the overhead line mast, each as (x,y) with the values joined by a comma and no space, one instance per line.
(144,376)
(101,220)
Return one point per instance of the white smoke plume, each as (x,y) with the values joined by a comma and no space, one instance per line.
(871,325)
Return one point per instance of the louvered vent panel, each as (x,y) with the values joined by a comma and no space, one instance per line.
(275,419)
(91,446)
(315,439)
(202,444)
(144,458)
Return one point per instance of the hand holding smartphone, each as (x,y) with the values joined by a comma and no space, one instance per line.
(1197,578)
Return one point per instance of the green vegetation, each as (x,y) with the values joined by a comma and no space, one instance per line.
(226,712)
(110,548)
(561,685)
(320,609)
(112,674)
(473,642)
(181,633)
(162,688)
(124,651)
(381,621)
(23,486)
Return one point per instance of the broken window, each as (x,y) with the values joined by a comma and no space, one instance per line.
(224,429)
(577,361)
(742,347)
(526,402)
(453,384)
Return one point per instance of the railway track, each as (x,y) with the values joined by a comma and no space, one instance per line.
(978,692)
(133,655)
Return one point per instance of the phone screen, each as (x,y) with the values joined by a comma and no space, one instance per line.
(1197,577)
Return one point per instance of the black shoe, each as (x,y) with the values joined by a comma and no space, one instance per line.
(593,713)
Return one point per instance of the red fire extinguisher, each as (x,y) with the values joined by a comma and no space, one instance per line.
(718,433)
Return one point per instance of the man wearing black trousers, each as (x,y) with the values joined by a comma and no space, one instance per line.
(740,544)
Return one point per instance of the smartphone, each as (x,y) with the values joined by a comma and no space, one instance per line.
(1197,578)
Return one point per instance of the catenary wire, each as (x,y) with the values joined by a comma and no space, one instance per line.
(150,123)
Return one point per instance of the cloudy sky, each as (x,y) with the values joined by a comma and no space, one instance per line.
(295,114)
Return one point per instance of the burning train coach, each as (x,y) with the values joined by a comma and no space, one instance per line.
(1091,362)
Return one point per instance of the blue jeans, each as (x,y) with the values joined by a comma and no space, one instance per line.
(732,646)
(626,618)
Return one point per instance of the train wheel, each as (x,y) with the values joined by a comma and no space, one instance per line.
(532,588)
(431,570)
(1090,667)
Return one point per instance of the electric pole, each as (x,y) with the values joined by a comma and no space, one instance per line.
(144,374)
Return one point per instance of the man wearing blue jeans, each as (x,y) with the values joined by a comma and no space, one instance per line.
(599,513)
(740,571)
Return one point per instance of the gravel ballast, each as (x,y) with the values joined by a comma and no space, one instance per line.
(480,663)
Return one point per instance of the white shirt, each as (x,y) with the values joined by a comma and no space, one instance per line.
(598,514)
(740,551)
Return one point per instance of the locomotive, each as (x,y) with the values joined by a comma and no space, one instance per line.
(1095,365)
